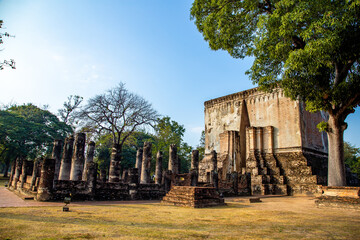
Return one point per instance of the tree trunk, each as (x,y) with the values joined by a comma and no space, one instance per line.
(115,160)
(336,164)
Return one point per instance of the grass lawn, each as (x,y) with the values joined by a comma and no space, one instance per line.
(274,218)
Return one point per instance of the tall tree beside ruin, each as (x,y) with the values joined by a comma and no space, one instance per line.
(120,113)
(311,49)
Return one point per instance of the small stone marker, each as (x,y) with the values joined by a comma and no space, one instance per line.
(254,200)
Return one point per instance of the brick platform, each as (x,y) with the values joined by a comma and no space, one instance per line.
(196,197)
(339,197)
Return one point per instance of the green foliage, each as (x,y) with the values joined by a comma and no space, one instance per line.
(311,49)
(201,146)
(322,126)
(128,153)
(169,132)
(352,157)
(29,131)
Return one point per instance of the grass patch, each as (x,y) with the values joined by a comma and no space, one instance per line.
(154,221)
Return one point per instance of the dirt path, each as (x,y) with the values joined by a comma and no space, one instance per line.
(10,199)
(268,203)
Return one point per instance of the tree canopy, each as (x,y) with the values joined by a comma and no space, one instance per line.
(310,49)
(28,131)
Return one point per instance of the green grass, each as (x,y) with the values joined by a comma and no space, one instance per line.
(238,220)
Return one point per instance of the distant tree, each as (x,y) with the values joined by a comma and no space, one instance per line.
(69,113)
(27,131)
(120,113)
(310,49)
(169,132)
(201,146)
(10,63)
(352,157)
(128,154)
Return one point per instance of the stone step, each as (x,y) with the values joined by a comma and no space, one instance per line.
(298,171)
(307,179)
(196,197)
(304,189)
(267,179)
(266,189)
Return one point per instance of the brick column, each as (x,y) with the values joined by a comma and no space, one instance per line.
(146,161)
(56,154)
(173,159)
(65,166)
(158,170)
(18,166)
(44,192)
(89,156)
(194,171)
(78,158)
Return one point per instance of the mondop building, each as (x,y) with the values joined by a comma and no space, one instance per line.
(268,137)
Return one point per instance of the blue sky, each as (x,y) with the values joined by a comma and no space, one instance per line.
(83,48)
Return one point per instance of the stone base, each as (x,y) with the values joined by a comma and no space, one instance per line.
(196,197)
(338,202)
(339,197)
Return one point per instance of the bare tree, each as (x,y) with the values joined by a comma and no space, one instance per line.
(120,113)
(69,113)
(10,63)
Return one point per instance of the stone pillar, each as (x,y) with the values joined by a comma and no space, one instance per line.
(194,171)
(18,166)
(146,161)
(89,156)
(65,166)
(103,175)
(90,177)
(214,173)
(213,160)
(35,173)
(56,154)
(259,139)
(23,176)
(115,160)
(133,176)
(77,161)
(173,159)
(167,177)
(158,170)
(270,140)
(13,166)
(44,192)
(252,139)
(235,181)
(195,159)
(125,176)
(138,164)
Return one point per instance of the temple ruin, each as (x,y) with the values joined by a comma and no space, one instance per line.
(256,143)
(267,141)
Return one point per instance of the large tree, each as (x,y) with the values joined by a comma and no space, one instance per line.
(27,131)
(309,48)
(120,113)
